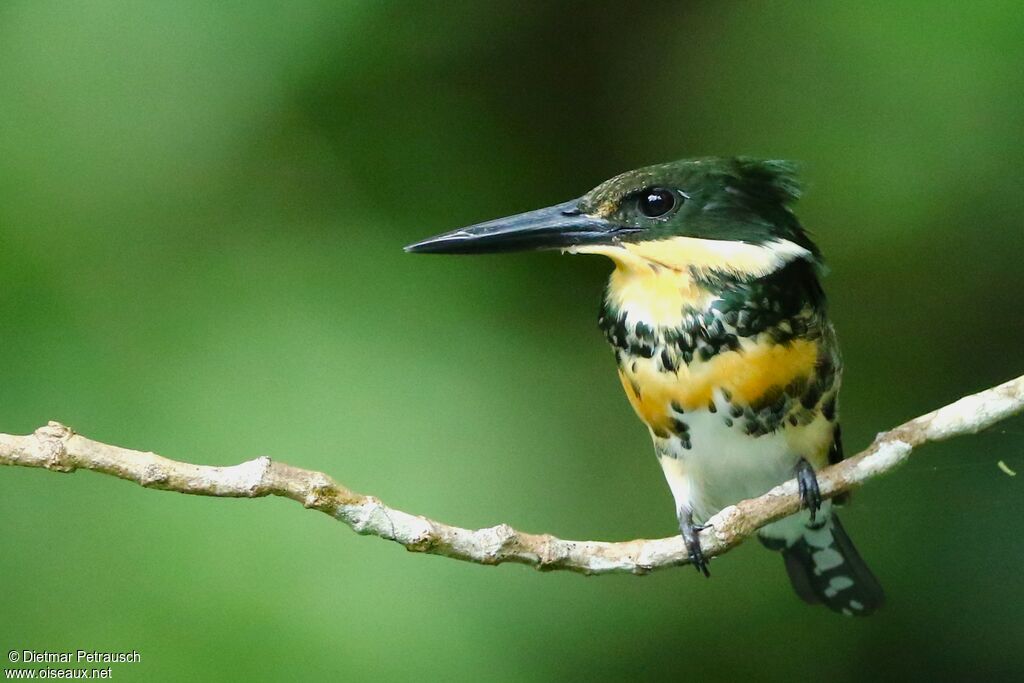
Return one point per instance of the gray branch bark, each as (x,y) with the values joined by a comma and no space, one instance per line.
(57,448)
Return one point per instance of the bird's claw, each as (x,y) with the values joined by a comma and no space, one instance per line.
(807,485)
(691,540)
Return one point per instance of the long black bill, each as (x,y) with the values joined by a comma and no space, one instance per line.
(559,226)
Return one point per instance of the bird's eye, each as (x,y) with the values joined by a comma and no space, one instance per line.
(657,202)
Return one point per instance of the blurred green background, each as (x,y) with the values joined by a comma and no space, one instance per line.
(202,209)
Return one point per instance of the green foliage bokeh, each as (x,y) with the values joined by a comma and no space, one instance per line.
(202,209)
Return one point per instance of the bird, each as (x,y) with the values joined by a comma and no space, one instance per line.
(723,345)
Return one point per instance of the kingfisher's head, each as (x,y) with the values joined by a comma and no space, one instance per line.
(718,215)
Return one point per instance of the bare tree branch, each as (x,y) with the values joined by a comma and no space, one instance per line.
(56,447)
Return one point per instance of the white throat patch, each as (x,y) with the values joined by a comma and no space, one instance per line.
(693,253)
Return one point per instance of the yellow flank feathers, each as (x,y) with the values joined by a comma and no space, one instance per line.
(747,374)
(654,282)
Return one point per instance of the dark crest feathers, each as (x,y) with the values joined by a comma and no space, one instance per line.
(772,180)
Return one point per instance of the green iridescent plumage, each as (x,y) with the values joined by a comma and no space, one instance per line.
(737,199)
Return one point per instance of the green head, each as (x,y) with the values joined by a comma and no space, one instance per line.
(722,199)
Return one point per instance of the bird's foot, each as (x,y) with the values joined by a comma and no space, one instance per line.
(807,484)
(691,540)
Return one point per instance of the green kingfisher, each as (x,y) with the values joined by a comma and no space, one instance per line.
(718,323)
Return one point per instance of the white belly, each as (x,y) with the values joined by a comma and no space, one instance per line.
(724,465)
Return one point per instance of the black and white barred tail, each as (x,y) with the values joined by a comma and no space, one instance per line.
(824,567)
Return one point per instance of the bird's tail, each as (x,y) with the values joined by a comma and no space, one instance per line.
(825,568)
